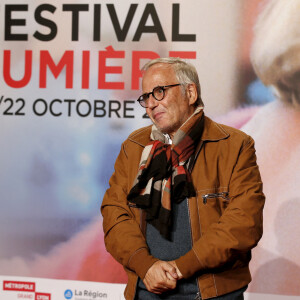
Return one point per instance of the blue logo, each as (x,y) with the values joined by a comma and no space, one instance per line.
(68,294)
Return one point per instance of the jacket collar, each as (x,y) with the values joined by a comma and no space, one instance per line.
(212,132)
(141,136)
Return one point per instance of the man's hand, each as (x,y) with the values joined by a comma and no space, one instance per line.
(173,263)
(161,277)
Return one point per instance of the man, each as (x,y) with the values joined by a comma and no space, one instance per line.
(184,207)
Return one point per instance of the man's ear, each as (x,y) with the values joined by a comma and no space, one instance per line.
(192,94)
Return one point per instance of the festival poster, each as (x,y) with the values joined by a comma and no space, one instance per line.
(70,77)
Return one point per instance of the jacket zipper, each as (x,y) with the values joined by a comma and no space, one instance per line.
(223,195)
(190,168)
(191,236)
(198,296)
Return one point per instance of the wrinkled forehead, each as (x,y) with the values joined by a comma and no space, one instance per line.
(161,66)
(158,74)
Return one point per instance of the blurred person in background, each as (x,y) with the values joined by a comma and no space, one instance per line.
(275,56)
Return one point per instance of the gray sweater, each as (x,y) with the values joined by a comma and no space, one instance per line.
(163,249)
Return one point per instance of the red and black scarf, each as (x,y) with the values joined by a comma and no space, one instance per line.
(163,177)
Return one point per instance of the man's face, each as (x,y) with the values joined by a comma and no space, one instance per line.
(175,108)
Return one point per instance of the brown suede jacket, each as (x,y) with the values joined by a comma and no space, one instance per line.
(225,215)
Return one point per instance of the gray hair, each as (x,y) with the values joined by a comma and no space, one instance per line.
(275,53)
(185,72)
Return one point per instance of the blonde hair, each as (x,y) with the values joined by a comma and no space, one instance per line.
(275,52)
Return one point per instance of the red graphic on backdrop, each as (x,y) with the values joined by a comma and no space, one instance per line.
(19,286)
(42,296)
(66,63)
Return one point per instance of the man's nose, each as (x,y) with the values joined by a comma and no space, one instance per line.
(152,102)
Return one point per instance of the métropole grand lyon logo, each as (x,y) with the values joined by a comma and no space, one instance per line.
(25,290)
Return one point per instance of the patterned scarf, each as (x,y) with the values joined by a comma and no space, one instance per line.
(163,174)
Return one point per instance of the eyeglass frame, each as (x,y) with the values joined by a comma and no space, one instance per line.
(163,87)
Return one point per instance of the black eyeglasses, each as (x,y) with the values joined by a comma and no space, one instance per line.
(158,93)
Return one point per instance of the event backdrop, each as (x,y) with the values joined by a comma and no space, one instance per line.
(70,77)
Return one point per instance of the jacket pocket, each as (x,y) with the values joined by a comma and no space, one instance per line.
(212,204)
(223,195)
